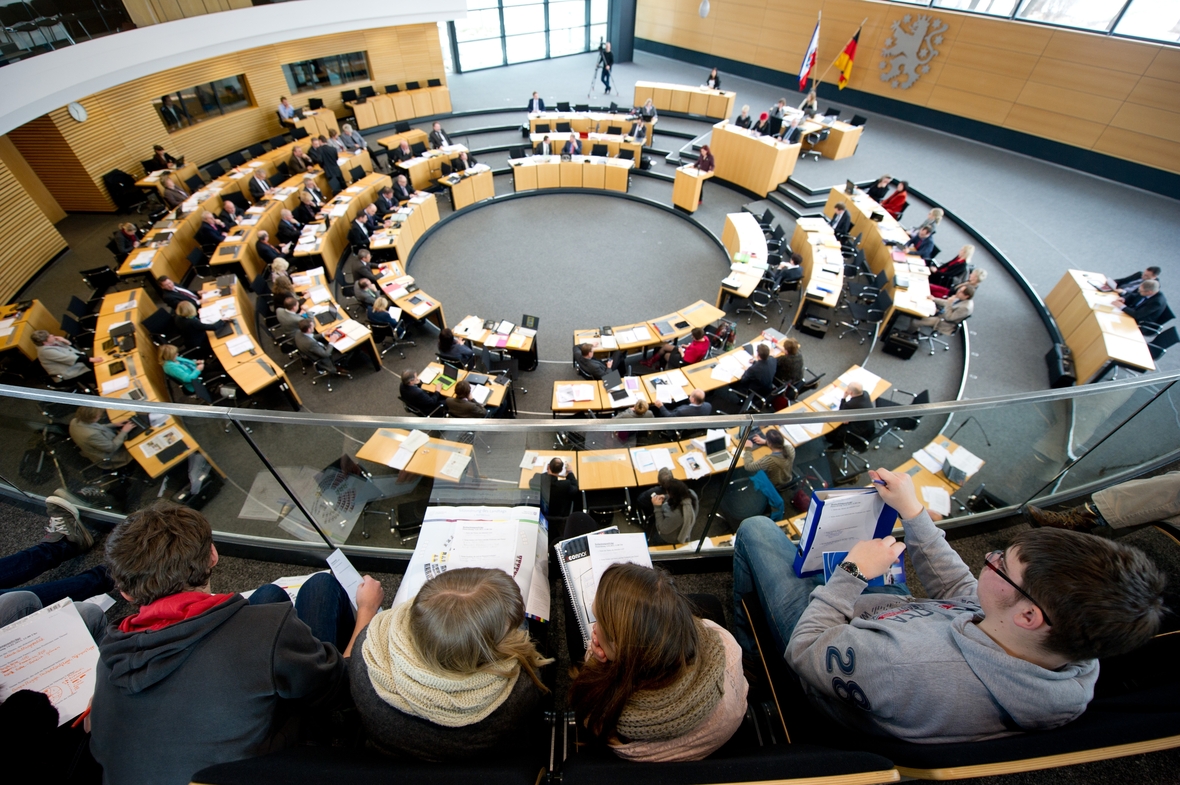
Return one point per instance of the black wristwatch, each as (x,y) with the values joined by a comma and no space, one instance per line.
(853,570)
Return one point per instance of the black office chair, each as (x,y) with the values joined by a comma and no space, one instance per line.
(161,326)
(563,128)
(581,107)
(299,133)
(759,301)
(812,140)
(1151,329)
(194,183)
(367,91)
(541,128)
(413,85)
(932,336)
(766,220)
(100,279)
(434,83)
(600,149)
(383,332)
(401,127)
(214,170)
(256,150)
(858,120)
(417,148)
(392,88)
(848,462)
(831,111)
(776,241)
(149,166)
(867,292)
(315,103)
(276,142)
(1163,341)
(320,374)
(236,159)
(563,106)
(348,96)
(627,155)
(865,317)
(277,180)
(356,173)
(902,424)
(614,130)
(776,125)
(413,411)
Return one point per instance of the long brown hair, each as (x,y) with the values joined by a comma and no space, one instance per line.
(468,619)
(650,626)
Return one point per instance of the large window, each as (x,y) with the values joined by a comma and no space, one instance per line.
(308,75)
(499,32)
(1158,20)
(192,105)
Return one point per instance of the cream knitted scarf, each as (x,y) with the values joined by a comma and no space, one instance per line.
(405,682)
(672,711)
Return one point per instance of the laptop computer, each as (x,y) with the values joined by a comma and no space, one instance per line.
(477,378)
(449,376)
(612,380)
(849,187)
(716,453)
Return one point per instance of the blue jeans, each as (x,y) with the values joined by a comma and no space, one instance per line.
(26,565)
(763,560)
(322,604)
(18,604)
(606,78)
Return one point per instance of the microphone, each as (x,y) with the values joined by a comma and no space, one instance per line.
(977,424)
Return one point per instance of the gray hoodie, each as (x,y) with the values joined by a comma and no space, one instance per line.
(922,670)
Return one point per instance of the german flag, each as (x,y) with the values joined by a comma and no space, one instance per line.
(844,61)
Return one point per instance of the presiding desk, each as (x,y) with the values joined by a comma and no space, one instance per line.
(685,99)
(756,163)
(686,191)
(842,140)
(17,325)
(614,143)
(469,186)
(581,171)
(388,108)
(1095,330)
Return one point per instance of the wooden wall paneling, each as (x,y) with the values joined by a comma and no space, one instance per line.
(1086,48)
(1158,93)
(1148,120)
(30,240)
(1166,65)
(983,83)
(45,149)
(1086,78)
(1134,146)
(961,102)
(1041,122)
(986,61)
(16,163)
(1071,103)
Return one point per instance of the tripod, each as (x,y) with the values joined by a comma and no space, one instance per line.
(597,71)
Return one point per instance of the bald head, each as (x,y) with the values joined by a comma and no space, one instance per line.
(697,397)
(855,389)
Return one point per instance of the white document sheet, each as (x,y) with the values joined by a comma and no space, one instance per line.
(346,574)
(239,345)
(116,384)
(608,549)
(455,465)
(845,520)
(489,545)
(937,499)
(50,651)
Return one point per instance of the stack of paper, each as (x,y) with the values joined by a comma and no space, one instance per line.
(410,445)
(240,345)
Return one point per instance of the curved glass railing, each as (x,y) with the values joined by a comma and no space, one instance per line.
(283,485)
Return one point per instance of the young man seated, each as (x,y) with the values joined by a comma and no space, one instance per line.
(196,678)
(1015,650)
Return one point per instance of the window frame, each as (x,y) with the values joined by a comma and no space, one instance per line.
(294,89)
(212,86)
(585,25)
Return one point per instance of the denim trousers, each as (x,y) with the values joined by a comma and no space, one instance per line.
(322,604)
(18,604)
(25,565)
(763,560)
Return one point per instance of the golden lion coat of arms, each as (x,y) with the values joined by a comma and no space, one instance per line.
(907,53)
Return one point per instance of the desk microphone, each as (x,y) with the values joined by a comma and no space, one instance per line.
(978,424)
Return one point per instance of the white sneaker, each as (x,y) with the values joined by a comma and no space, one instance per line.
(65,521)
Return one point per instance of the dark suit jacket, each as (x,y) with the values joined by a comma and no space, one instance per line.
(300,165)
(638,132)
(684,410)
(877,193)
(174,298)
(535,105)
(439,138)
(387,206)
(357,236)
(539,149)
(422,400)
(267,252)
(592,367)
(288,232)
(304,214)
(195,332)
(759,377)
(1132,278)
(558,494)
(844,225)
(921,247)
(316,193)
(257,189)
(398,154)
(209,235)
(401,194)
(572,147)
(1148,309)
(743,122)
(459,165)
(230,221)
(325,156)
(864,428)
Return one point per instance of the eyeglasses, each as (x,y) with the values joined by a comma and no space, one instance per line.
(987,560)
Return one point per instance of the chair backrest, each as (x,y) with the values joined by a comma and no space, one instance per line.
(78,307)
(278,141)
(159,323)
(1162,342)
(581,107)
(348,96)
(70,325)
(517,152)
(100,278)
(614,130)
(284,170)
(541,128)
(883,302)
(357,173)
(417,148)
(627,154)
(214,170)
(934,252)
(392,88)
(277,180)
(434,83)
(1167,315)
(367,91)
(236,159)
(563,128)
(299,133)
(831,111)
(197,257)
(600,149)
(563,106)
(776,125)
(413,85)
(194,183)
(767,218)
(402,127)
(315,103)
(858,120)
(256,150)
(148,166)
(881,280)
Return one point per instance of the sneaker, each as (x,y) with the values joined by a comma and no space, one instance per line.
(1078,519)
(65,521)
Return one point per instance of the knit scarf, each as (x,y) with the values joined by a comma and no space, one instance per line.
(672,711)
(405,682)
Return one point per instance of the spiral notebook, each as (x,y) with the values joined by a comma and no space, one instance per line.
(583,562)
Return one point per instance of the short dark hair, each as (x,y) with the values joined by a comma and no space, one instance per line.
(289,300)
(305,325)
(1105,598)
(463,389)
(698,333)
(586,349)
(556,465)
(774,439)
(967,290)
(796,258)
(158,148)
(160,550)
(163,278)
(763,351)
(1153,270)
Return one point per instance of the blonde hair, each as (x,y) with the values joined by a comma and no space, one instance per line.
(346,128)
(168,352)
(279,266)
(87,414)
(936,214)
(186,309)
(746,108)
(380,304)
(468,619)
(966,252)
(641,407)
(128,227)
(980,275)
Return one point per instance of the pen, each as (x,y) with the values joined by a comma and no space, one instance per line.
(81,718)
(880,482)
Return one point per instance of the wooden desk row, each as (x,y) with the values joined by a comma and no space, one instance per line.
(424,170)
(181,174)
(497,393)
(612,142)
(427,461)
(1095,330)
(317,122)
(823,275)
(469,186)
(645,335)
(329,245)
(394,284)
(17,325)
(581,171)
(595,123)
(405,105)
(746,242)
(873,234)
(344,334)
(685,99)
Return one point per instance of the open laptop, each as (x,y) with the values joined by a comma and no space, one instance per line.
(716,453)
(450,374)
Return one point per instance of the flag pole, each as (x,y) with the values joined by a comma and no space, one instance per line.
(818,18)
(837,57)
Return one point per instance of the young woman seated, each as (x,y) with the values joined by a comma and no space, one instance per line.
(451,674)
(181,369)
(658,684)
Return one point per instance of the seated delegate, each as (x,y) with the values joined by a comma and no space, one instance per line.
(1130,283)
(697,406)
(454,348)
(452,674)
(658,684)
(59,358)
(101,443)
(1147,305)
(896,202)
(854,398)
(194,332)
(879,189)
(743,120)
(181,369)
(675,512)
(951,310)
(1015,650)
